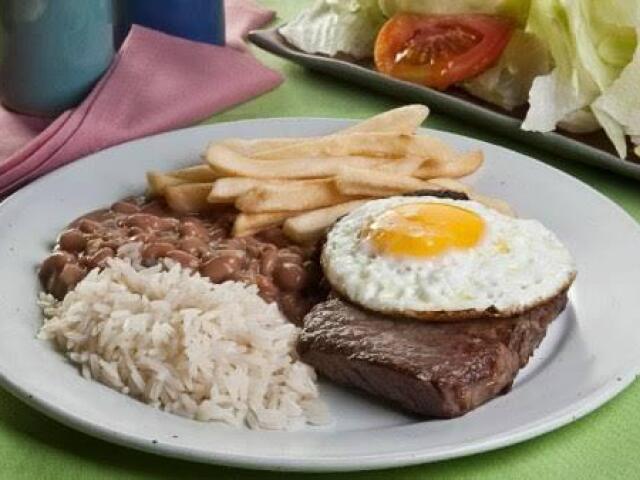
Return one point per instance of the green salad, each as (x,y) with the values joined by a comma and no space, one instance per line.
(576,63)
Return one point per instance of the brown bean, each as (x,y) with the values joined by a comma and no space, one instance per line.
(52,266)
(193,227)
(93,245)
(227,252)
(232,244)
(99,259)
(253,250)
(290,276)
(69,277)
(267,289)
(268,261)
(216,234)
(144,237)
(221,268)
(153,251)
(72,240)
(193,245)
(254,266)
(167,223)
(286,256)
(113,243)
(144,221)
(185,259)
(89,226)
(125,207)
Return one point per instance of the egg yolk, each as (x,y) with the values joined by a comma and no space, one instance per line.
(424,230)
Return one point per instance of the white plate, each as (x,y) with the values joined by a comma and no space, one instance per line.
(589,355)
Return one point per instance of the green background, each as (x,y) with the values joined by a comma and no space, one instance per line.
(605,444)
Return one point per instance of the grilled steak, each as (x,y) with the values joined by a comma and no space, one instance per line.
(432,369)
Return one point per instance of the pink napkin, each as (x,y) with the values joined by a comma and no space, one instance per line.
(156,82)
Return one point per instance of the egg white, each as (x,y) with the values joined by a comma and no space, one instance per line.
(516,265)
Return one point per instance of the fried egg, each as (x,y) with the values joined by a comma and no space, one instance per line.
(426,256)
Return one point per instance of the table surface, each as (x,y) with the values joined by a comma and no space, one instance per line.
(605,444)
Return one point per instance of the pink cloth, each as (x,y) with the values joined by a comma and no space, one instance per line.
(156,82)
(247,15)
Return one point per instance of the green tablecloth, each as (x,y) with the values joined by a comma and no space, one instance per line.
(605,444)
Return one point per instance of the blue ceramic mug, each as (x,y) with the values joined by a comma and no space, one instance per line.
(52,52)
(199,20)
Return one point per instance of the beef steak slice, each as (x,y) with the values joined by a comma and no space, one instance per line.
(432,369)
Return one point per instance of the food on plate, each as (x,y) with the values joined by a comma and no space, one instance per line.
(401,121)
(442,259)
(173,339)
(437,302)
(188,197)
(406,282)
(202,243)
(576,64)
(172,310)
(311,194)
(310,226)
(252,223)
(433,369)
(158,182)
(378,157)
(440,50)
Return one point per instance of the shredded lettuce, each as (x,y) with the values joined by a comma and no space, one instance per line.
(618,108)
(592,43)
(507,83)
(577,62)
(330,27)
(516,9)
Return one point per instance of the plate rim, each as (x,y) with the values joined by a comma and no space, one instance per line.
(572,412)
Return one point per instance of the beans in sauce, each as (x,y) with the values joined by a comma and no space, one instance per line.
(283,272)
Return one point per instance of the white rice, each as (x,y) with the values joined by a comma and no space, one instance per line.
(171,338)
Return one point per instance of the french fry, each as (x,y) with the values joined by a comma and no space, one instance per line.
(309,227)
(291,197)
(377,145)
(232,163)
(259,145)
(400,121)
(356,144)
(463,165)
(226,190)
(196,174)
(158,182)
(250,223)
(402,166)
(359,182)
(188,197)
(404,120)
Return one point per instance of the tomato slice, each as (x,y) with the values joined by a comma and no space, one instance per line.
(440,50)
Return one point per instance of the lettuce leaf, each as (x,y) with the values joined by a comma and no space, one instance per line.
(507,83)
(618,108)
(330,27)
(516,9)
(592,43)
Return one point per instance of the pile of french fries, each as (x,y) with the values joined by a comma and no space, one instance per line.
(306,184)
